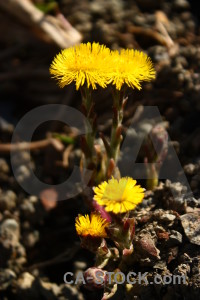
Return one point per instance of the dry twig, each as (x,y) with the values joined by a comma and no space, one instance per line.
(56,29)
(154,35)
(23,146)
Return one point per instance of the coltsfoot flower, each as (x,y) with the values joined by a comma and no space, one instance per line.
(84,64)
(119,196)
(93,226)
(95,64)
(130,67)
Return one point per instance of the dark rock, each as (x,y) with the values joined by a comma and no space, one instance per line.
(4,168)
(190,169)
(7,200)
(164,217)
(181,4)
(171,195)
(9,229)
(159,54)
(146,246)
(172,254)
(29,287)
(12,253)
(175,238)
(191,226)
(6,278)
(5,126)
(25,288)
(162,235)
(70,292)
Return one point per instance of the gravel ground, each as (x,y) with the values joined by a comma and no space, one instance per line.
(38,243)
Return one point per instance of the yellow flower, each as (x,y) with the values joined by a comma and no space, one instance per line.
(119,196)
(130,67)
(91,226)
(84,63)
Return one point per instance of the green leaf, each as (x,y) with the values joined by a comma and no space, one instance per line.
(46,7)
(64,138)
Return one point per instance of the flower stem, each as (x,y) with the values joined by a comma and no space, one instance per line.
(152,176)
(118,112)
(90,126)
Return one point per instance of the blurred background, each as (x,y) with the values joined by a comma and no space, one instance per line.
(33,32)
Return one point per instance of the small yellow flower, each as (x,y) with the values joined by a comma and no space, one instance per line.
(91,226)
(84,63)
(130,67)
(119,196)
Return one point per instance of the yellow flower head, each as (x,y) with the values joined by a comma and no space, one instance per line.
(130,67)
(91,226)
(119,196)
(84,63)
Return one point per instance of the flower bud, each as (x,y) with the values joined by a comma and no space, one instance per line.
(122,234)
(105,254)
(129,225)
(156,147)
(127,252)
(103,249)
(95,278)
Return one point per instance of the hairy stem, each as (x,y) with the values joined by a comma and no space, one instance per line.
(90,126)
(118,112)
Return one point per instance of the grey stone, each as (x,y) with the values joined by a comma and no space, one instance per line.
(191,226)
(6,278)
